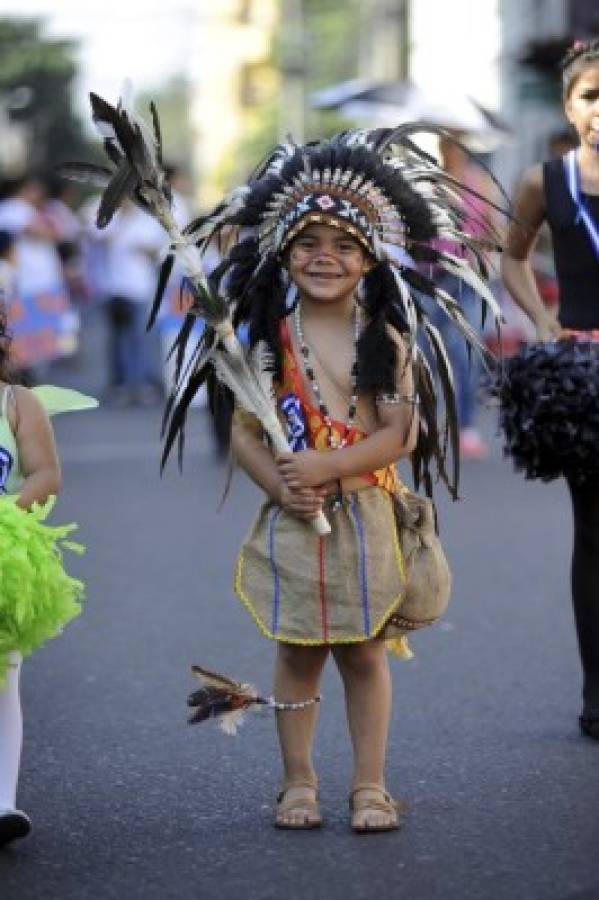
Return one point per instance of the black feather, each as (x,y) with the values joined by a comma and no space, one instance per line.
(176,424)
(443,367)
(157,132)
(163,276)
(122,185)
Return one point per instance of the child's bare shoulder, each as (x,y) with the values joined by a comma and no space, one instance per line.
(25,410)
(531,185)
(532,179)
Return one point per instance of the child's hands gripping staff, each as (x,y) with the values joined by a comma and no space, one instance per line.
(255,457)
(303,503)
(305,470)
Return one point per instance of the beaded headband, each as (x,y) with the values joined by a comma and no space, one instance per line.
(348,202)
(335,219)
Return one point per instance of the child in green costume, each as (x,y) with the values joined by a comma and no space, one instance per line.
(37,596)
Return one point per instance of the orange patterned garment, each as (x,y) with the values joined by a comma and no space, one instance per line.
(318,432)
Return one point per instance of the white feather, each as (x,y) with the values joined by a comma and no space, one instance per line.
(232,721)
(105,130)
(456,266)
(253,392)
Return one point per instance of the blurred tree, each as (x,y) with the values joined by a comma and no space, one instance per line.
(36,84)
(330,28)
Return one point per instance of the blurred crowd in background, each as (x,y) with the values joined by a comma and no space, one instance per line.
(274,66)
(57,266)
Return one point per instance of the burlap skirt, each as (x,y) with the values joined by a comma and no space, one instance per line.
(304,589)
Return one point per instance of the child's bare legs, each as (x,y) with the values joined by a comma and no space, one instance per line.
(297,677)
(365,672)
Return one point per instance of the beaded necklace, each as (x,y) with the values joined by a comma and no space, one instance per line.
(311,376)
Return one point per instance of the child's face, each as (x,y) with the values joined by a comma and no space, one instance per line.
(582,105)
(326,263)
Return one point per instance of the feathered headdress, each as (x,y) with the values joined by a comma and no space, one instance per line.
(379,187)
(409,215)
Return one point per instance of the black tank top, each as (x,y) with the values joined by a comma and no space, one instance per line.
(576,263)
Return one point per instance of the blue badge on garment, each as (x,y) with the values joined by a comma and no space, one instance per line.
(295,421)
(5,467)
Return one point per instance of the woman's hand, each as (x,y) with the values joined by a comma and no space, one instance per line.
(304,469)
(304,504)
(548,329)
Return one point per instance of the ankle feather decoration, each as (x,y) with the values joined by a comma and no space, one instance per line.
(226,700)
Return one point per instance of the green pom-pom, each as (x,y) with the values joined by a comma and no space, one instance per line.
(37,596)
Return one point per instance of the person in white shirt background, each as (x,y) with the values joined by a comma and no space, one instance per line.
(47,328)
(132,243)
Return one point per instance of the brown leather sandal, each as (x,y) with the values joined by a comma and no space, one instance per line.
(308,805)
(395,810)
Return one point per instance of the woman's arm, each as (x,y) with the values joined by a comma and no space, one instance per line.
(257,460)
(395,437)
(516,269)
(38,458)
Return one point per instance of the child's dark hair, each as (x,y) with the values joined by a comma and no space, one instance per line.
(579,56)
(6,372)
(6,244)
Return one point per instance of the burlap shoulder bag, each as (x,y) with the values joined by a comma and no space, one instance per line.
(428,575)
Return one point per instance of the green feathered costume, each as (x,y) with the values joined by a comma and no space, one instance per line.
(37,596)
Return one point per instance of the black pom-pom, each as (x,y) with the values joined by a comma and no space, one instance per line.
(549,396)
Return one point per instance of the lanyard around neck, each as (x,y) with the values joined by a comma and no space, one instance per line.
(582,212)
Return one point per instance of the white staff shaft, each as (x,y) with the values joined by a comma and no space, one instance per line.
(320,524)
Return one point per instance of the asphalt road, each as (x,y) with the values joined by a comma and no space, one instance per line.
(129,803)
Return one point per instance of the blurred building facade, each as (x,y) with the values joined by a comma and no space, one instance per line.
(530,96)
(232,77)
(13,146)
(383,48)
(251,62)
(535,35)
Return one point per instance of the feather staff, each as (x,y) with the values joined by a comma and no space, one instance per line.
(221,698)
(136,152)
(250,379)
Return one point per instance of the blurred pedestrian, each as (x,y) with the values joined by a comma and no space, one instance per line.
(466,366)
(8,262)
(132,244)
(565,193)
(60,211)
(46,327)
(172,314)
